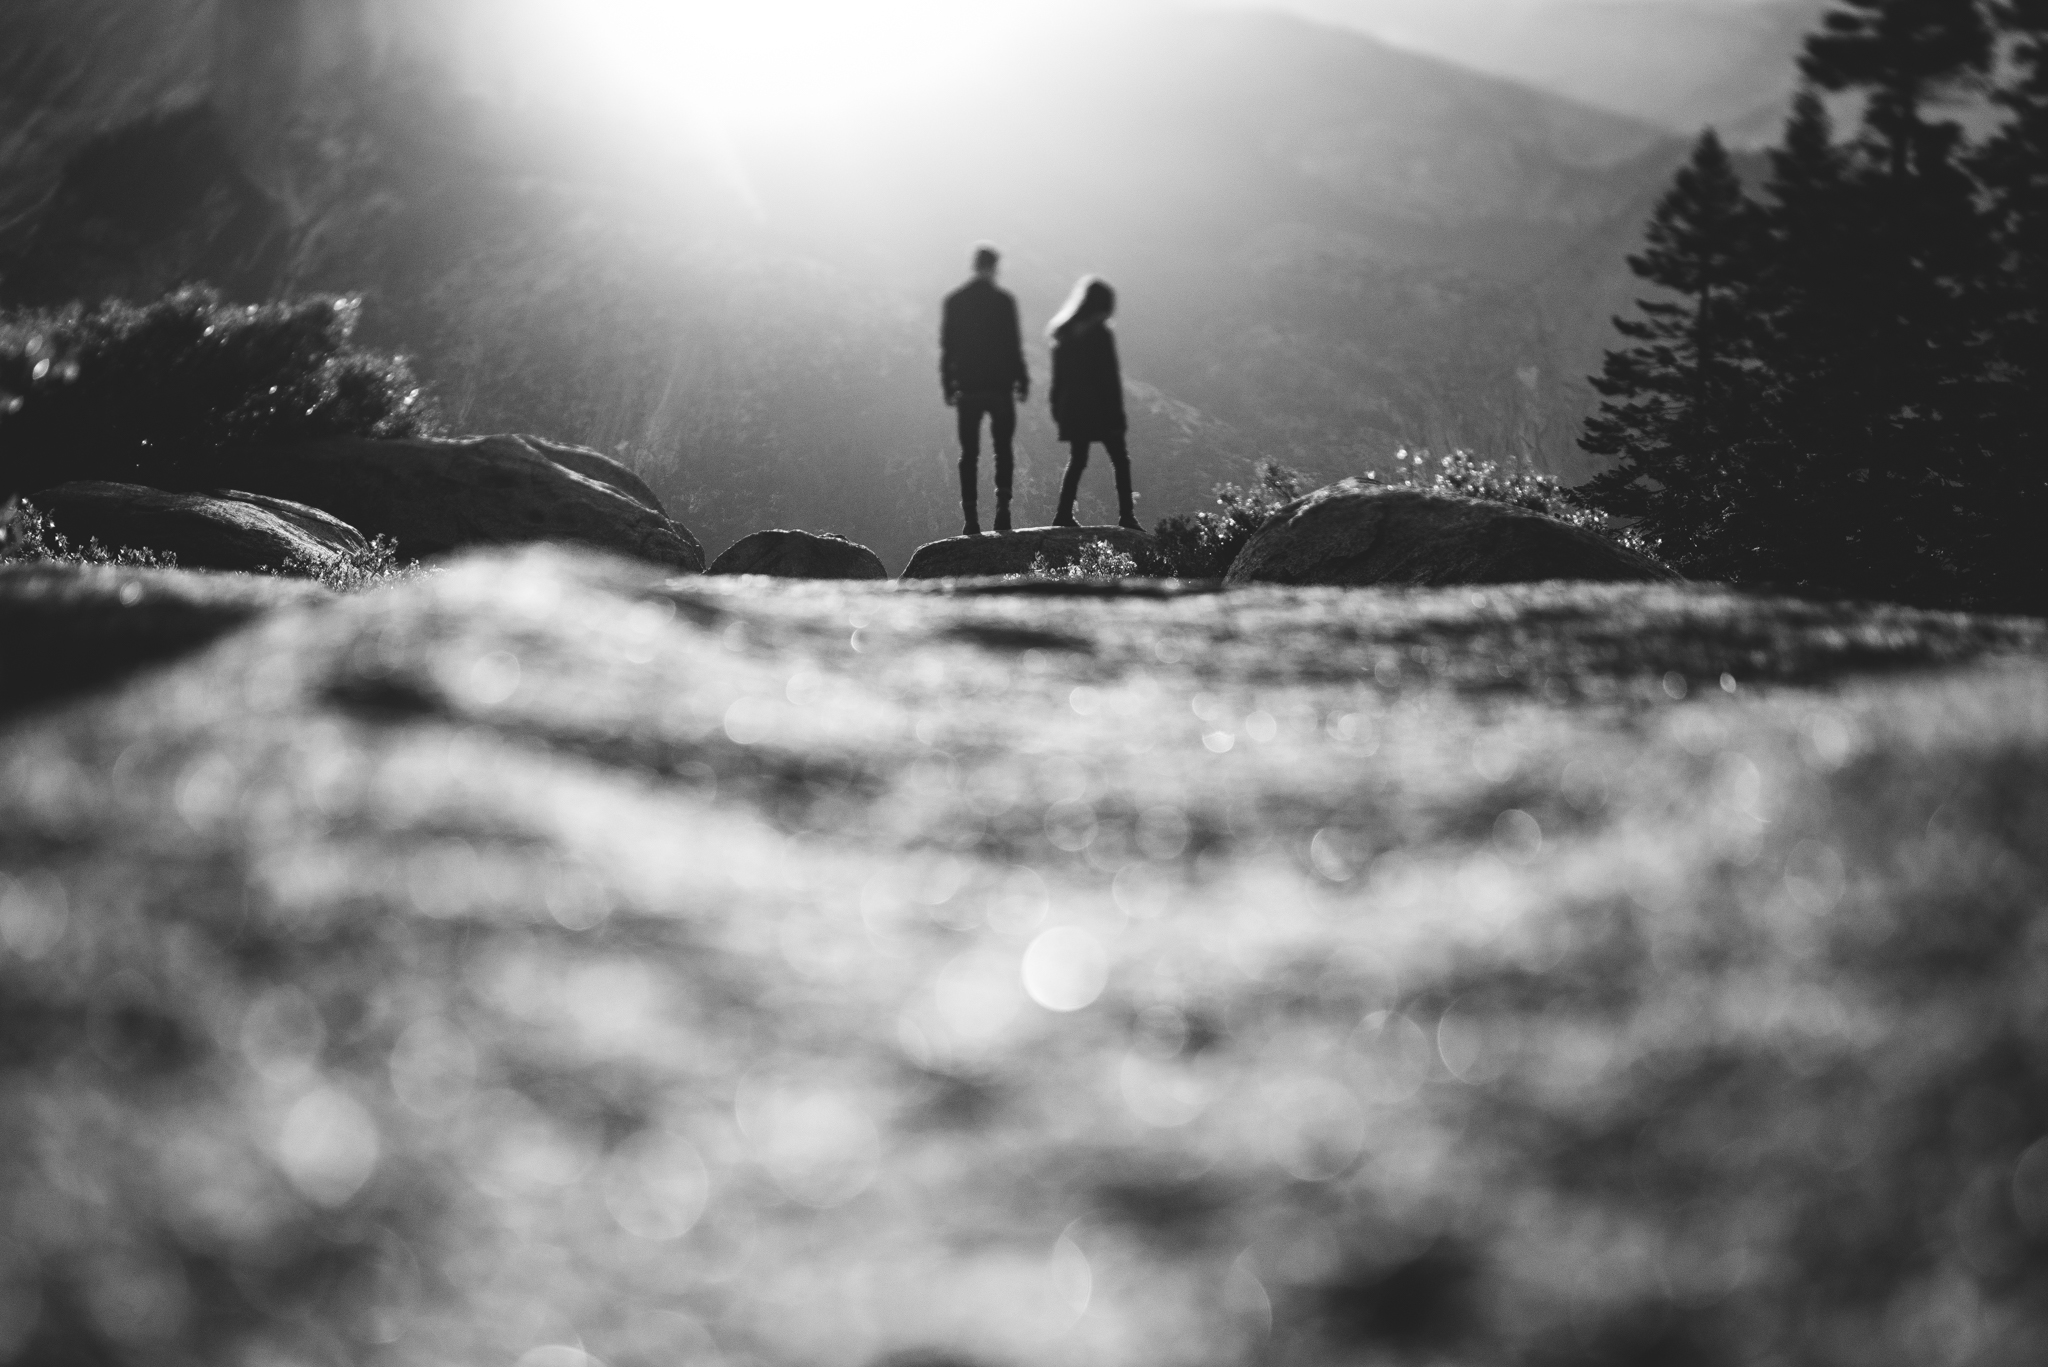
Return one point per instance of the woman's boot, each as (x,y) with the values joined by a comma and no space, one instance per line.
(1126,515)
(1070,489)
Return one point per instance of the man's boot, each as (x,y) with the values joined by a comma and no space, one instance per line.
(968,497)
(1006,474)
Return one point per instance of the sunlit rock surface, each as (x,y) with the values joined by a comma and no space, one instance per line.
(997,553)
(789,554)
(1358,532)
(550,958)
(434,497)
(224,530)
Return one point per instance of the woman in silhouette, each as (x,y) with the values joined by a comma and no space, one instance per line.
(1088,394)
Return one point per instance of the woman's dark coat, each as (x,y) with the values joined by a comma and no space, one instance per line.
(1087,383)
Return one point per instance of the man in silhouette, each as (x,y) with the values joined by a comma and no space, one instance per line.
(981,369)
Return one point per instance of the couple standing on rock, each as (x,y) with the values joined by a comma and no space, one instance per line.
(982,370)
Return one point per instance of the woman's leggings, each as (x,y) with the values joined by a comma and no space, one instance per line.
(1077,465)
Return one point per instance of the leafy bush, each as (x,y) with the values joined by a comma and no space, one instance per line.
(1201,545)
(26,535)
(156,394)
(1095,560)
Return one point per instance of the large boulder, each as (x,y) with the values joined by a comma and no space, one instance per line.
(1359,532)
(596,465)
(799,555)
(998,553)
(224,530)
(435,496)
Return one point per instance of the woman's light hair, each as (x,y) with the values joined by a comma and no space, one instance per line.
(1092,298)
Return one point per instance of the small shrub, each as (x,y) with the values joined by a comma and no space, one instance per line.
(155,394)
(1095,560)
(375,566)
(1201,545)
(25,535)
(1463,475)
(1466,476)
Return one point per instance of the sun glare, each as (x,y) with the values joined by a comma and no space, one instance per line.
(783,61)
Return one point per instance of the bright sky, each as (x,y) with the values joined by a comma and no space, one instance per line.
(798,62)
(753,59)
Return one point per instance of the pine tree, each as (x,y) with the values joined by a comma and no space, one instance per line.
(1893,419)
(1807,268)
(1873,414)
(1679,402)
(2013,169)
(2015,164)
(1805,295)
(1904,56)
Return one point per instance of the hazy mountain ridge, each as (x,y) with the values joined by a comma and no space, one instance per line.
(1327,248)
(1681,64)
(70,71)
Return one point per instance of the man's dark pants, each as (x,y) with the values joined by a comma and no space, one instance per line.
(1000,408)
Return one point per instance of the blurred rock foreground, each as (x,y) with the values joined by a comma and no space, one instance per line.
(547,960)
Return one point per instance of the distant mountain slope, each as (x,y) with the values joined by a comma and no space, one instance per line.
(1681,64)
(70,69)
(1327,248)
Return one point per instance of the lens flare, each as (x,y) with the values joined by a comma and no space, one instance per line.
(765,61)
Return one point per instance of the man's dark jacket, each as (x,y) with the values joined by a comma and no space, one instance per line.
(981,349)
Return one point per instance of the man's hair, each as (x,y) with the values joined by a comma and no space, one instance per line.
(986,257)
